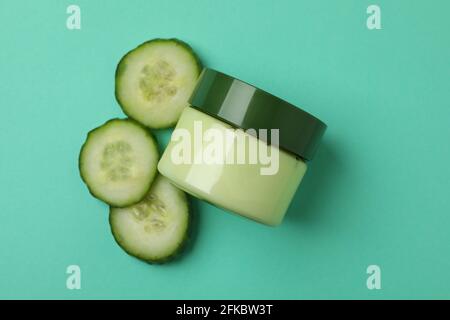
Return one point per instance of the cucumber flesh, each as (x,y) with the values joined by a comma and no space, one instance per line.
(118,162)
(155,229)
(155,80)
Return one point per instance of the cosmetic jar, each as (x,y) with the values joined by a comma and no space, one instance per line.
(241,148)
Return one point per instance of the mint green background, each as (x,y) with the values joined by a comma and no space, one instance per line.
(378,191)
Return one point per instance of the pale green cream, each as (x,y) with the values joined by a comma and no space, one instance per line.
(240,188)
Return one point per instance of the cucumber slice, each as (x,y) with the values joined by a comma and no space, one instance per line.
(155,80)
(118,162)
(155,229)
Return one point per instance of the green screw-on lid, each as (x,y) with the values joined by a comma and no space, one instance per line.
(245,106)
